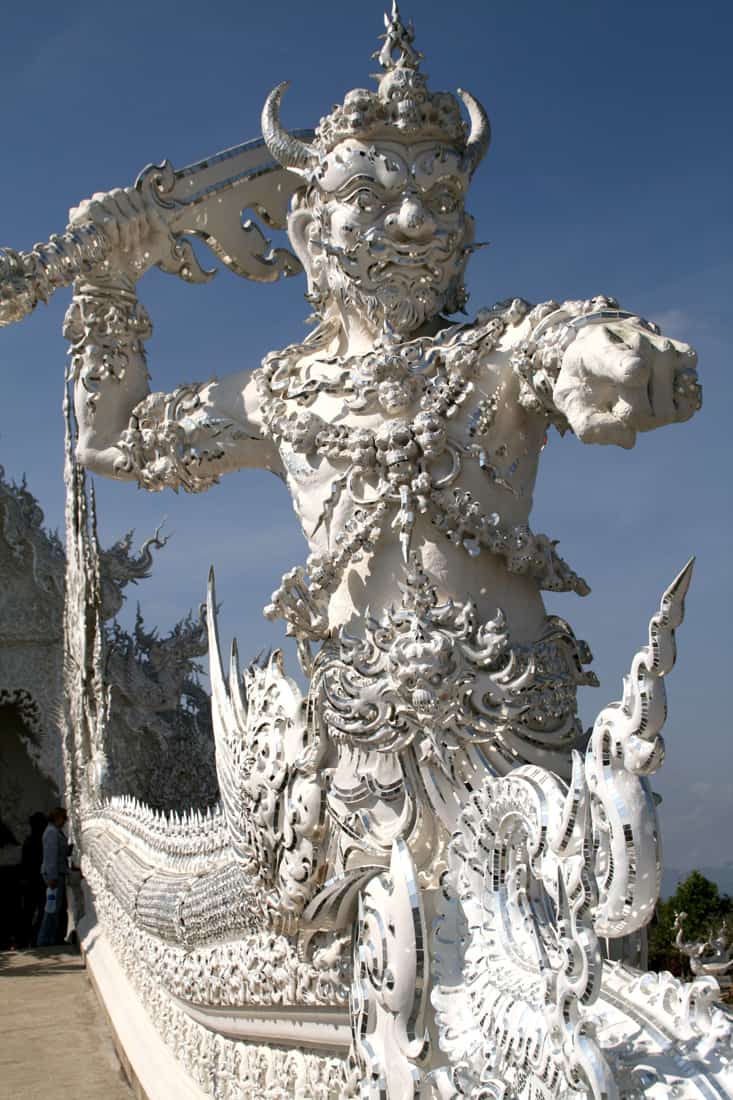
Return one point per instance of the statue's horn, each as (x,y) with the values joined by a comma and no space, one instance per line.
(288,150)
(480,135)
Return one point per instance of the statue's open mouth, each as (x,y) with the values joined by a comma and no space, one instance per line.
(379,254)
(377,271)
(437,250)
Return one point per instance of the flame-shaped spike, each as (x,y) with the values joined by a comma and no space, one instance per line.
(625,747)
(568,835)
(237,689)
(216,672)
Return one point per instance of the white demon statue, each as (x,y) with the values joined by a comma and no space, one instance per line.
(426,845)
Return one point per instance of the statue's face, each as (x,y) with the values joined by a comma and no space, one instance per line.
(390,234)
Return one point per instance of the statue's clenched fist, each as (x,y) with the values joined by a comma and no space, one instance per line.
(133,225)
(621,378)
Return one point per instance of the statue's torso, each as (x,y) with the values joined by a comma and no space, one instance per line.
(420,449)
(412,470)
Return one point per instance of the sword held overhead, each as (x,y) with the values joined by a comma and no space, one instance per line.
(204,200)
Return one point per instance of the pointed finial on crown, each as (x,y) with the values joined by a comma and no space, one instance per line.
(398,37)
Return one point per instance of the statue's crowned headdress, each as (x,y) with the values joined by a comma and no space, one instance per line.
(402,109)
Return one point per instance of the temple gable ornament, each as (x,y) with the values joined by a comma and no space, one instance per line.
(416,863)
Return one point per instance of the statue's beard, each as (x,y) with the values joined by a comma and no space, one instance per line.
(395,287)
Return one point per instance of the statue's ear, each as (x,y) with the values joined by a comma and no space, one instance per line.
(299,223)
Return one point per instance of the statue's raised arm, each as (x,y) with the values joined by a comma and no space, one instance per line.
(190,437)
(183,439)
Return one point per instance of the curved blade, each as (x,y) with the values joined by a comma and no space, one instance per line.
(208,200)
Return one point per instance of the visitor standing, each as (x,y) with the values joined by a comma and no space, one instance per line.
(54,870)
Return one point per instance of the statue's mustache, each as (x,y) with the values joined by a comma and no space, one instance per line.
(380,246)
(374,253)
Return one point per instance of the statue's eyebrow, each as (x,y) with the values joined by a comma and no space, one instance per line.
(353,183)
(448,176)
(453,183)
(435,187)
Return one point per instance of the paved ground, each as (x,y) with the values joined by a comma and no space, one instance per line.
(54,1039)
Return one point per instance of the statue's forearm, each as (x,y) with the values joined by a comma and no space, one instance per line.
(187,439)
(538,359)
(184,439)
(604,372)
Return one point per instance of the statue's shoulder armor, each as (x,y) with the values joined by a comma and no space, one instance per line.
(495,331)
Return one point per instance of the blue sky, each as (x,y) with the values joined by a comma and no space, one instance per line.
(609,172)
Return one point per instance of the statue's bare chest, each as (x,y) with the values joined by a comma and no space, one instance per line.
(407,447)
(403,426)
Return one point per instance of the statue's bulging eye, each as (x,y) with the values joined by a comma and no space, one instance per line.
(444,203)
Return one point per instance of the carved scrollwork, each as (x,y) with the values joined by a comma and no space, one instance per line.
(271,787)
(536,871)
(119,567)
(157,182)
(688,1009)
(430,674)
(516,955)
(207,200)
(625,747)
(32,562)
(389,992)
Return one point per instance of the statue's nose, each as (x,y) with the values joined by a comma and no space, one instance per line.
(411,221)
